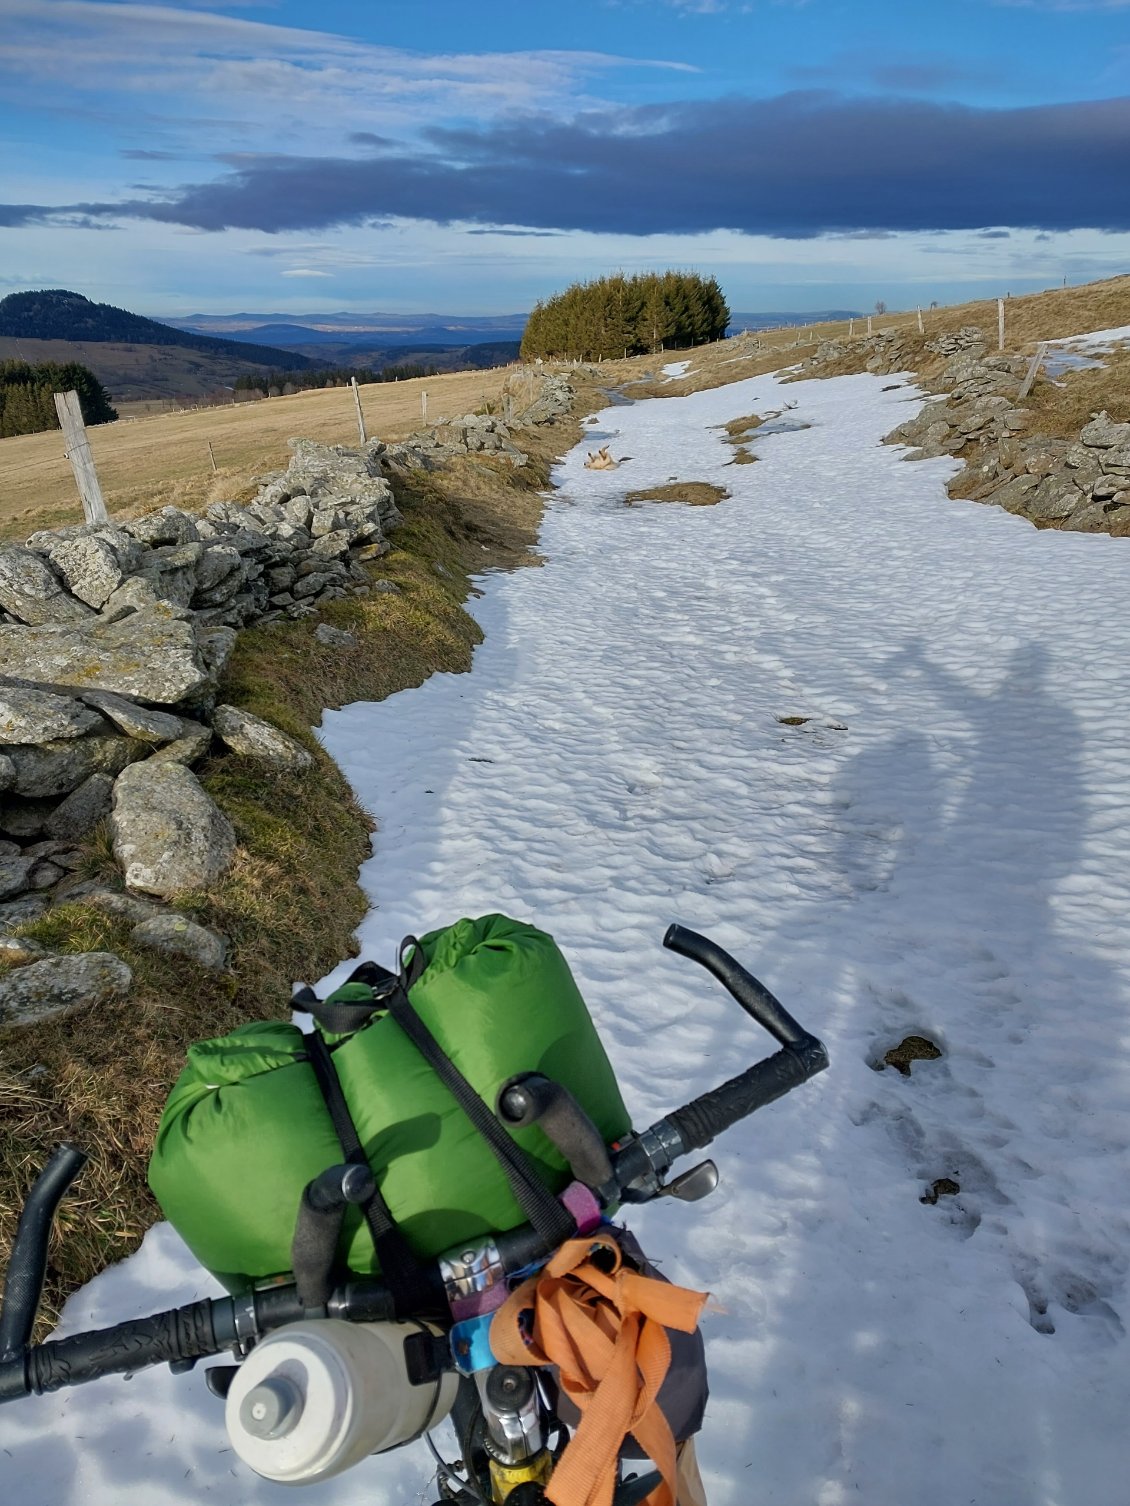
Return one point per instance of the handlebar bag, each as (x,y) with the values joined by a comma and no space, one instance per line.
(246,1126)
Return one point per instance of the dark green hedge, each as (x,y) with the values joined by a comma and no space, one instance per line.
(627,316)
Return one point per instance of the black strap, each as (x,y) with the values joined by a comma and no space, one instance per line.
(407,1280)
(342,1016)
(551,1220)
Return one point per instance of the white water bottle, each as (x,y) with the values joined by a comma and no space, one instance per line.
(317,1396)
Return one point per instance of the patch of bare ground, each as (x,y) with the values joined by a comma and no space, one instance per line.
(693,493)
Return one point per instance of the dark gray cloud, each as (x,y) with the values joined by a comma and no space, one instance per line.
(800,165)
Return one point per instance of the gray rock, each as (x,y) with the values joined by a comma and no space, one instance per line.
(217,564)
(91,568)
(28,715)
(31,591)
(1090,518)
(113,901)
(19,912)
(18,951)
(57,768)
(188,749)
(150,654)
(334,637)
(1054,498)
(252,737)
(181,936)
(1013,495)
(45,875)
(7,772)
(58,984)
(1116,460)
(81,811)
(168,526)
(23,819)
(169,836)
(141,722)
(14,876)
(1102,433)
(136,594)
(216,645)
(310,585)
(332,545)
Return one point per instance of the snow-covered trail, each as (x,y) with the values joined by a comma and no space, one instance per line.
(942,847)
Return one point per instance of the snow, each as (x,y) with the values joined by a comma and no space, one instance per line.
(1096,339)
(675,369)
(941,848)
(1069,354)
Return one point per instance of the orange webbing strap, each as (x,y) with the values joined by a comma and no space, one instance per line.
(605,1333)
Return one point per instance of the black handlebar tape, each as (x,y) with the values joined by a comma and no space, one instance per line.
(750,993)
(699,1122)
(28,1262)
(317,1231)
(186,1333)
(534,1099)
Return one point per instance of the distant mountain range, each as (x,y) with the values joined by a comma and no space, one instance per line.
(56,314)
(140,358)
(296,331)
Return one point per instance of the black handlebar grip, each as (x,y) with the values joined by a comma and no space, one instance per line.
(698,1123)
(28,1261)
(535,1099)
(750,993)
(186,1333)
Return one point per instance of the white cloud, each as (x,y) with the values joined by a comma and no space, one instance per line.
(304,272)
(193,75)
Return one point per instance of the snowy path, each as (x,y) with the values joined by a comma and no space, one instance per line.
(943,848)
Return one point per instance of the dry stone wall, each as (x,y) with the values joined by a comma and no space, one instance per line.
(1080,485)
(113,638)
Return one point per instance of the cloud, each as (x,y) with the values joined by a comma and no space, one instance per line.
(153,67)
(304,272)
(803,164)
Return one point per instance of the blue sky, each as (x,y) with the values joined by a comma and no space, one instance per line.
(439,155)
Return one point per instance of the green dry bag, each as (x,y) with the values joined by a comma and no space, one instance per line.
(246,1126)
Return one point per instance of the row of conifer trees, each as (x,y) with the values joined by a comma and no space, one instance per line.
(27,403)
(627,316)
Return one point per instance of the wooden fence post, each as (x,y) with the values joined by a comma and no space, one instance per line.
(851,328)
(869,324)
(424,405)
(921,330)
(1000,323)
(78,453)
(211,457)
(1037,361)
(360,415)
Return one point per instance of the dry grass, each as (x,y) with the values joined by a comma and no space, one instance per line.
(1062,410)
(692,493)
(148,462)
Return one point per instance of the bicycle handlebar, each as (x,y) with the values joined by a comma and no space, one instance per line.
(183,1335)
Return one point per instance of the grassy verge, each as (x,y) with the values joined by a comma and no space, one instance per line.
(291,901)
